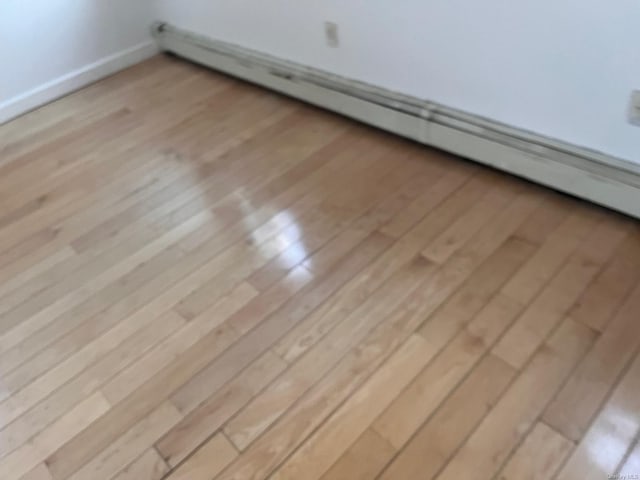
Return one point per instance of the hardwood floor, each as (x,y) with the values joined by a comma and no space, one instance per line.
(203,280)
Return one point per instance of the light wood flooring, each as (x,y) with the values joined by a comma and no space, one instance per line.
(200,279)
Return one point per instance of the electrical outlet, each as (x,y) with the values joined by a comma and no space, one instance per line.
(634,108)
(331,34)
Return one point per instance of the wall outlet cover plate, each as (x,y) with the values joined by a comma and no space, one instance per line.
(331,34)
(634,108)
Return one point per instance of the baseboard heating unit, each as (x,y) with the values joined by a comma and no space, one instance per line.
(578,171)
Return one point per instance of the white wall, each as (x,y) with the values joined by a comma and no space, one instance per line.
(51,47)
(562,69)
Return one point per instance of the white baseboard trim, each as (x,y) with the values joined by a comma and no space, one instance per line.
(588,174)
(75,80)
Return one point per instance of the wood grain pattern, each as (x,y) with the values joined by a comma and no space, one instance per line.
(344,427)
(207,461)
(573,409)
(39,473)
(435,441)
(539,457)
(363,460)
(612,434)
(484,452)
(149,466)
(204,280)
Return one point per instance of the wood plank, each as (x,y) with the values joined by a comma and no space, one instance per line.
(436,440)
(552,212)
(87,216)
(212,188)
(459,233)
(36,270)
(343,428)
(304,336)
(539,457)
(459,350)
(211,415)
(39,473)
(146,397)
(281,439)
(48,215)
(359,256)
(375,216)
(484,453)
(35,315)
(210,327)
(554,302)
(273,325)
(577,403)
(15,405)
(611,435)
(201,298)
(13,255)
(171,116)
(39,447)
(44,290)
(417,210)
(270,404)
(13,268)
(170,106)
(83,103)
(65,398)
(405,320)
(207,461)
(610,288)
(188,261)
(79,143)
(135,130)
(364,459)
(555,250)
(123,451)
(36,373)
(149,466)
(267,302)
(103,322)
